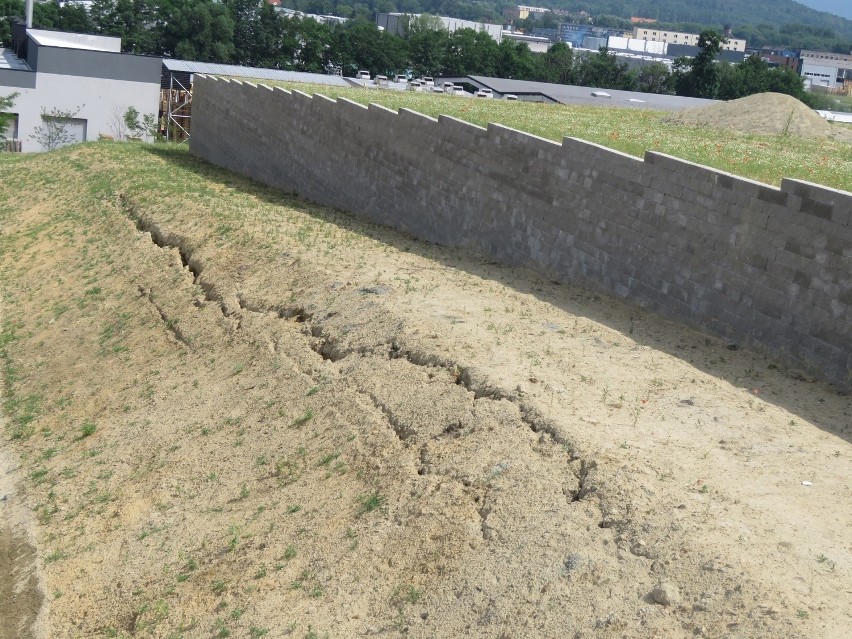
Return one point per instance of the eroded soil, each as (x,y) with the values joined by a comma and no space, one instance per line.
(240,414)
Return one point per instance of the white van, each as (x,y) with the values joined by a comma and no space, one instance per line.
(362,75)
(485,93)
(428,81)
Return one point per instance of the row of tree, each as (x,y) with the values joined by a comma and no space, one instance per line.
(251,33)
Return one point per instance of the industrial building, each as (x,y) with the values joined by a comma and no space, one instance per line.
(643,51)
(655,34)
(396,22)
(82,75)
(826,70)
(569,94)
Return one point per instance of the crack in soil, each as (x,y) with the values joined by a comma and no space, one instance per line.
(171,324)
(329,348)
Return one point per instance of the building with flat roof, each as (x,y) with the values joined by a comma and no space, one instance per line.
(395,23)
(825,69)
(656,34)
(568,94)
(83,75)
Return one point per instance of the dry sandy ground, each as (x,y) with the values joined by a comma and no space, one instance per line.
(765,113)
(236,414)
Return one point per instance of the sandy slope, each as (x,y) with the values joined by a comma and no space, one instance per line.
(767,114)
(264,418)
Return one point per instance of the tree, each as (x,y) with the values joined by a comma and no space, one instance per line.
(75,18)
(140,125)
(196,31)
(6,103)
(9,9)
(427,43)
(654,78)
(603,70)
(558,64)
(53,131)
(702,78)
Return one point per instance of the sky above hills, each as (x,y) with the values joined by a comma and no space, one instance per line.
(837,7)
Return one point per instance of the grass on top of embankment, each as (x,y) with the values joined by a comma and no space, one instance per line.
(764,158)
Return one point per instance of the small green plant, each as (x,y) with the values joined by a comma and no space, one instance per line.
(56,555)
(219,587)
(244,491)
(87,430)
(53,131)
(327,459)
(222,631)
(302,420)
(289,553)
(369,503)
(294,508)
(256,633)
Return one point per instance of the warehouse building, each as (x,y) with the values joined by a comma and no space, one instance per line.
(83,77)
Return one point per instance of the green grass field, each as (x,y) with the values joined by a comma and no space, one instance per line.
(760,157)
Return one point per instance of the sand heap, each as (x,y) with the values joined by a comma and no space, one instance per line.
(764,113)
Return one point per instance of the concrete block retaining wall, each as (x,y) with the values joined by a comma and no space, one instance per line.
(768,268)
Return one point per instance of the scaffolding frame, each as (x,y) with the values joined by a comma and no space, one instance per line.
(173,108)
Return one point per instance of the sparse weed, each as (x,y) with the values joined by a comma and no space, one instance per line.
(303,419)
(370,502)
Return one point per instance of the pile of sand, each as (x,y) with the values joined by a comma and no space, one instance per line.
(766,114)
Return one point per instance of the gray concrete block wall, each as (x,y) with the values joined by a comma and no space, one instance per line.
(768,268)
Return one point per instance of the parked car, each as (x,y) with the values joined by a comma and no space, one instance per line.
(362,75)
(510,96)
(485,93)
(429,81)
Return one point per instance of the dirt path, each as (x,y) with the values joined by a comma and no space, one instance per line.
(22,614)
(242,414)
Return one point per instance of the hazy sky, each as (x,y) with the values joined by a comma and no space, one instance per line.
(837,7)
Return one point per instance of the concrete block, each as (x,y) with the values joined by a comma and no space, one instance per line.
(719,252)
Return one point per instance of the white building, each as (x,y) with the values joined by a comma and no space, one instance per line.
(395,23)
(85,75)
(825,69)
(655,34)
(535,44)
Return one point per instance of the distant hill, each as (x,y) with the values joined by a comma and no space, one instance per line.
(776,13)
